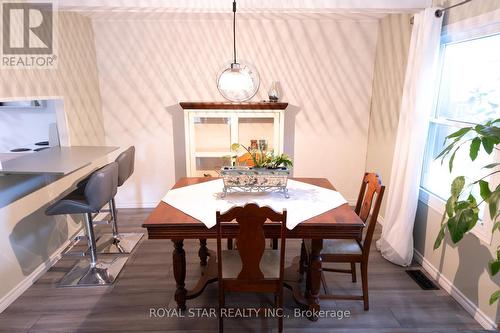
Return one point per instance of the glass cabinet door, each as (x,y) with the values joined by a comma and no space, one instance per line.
(212,135)
(211,146)
(209,166)
(259,130)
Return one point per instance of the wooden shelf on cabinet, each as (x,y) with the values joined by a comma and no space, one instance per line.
(233,106)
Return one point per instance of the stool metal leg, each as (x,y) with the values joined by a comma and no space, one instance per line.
(116,242)
(114,218)
(92,271)
(89,230)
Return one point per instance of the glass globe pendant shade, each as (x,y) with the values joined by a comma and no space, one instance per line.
(238,82)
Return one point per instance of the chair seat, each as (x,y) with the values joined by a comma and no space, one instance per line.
(80,186)
(341,246)
(73,203)
(269,264)
(338,246)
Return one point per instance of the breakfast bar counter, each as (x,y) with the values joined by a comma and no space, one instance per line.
(58,161)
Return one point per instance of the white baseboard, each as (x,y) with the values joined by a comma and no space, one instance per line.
(28,281)
(450,288)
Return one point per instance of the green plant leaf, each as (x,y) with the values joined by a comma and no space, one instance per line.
(450,205)
(493,201)
(478,128)
(448,148)
(488,144)
(455,232)
(474,148)
(496,226)
(460,206)
(452,158)
(494,266)
(444,151)
(440,237)
(470,216)
(484,189)
(492,132)
(467,220)
(494,297)
(457,186)
(464,220)
(490,166)
(460,133)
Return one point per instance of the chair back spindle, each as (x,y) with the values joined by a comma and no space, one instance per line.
(250,240)
(371,188)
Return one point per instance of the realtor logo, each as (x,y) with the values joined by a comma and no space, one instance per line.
(28,35)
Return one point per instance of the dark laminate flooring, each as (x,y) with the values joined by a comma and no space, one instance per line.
(397,304)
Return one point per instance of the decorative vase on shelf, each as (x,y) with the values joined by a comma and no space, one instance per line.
(274,93)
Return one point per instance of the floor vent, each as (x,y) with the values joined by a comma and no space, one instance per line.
(421,279)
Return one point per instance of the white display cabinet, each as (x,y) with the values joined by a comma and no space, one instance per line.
(211,128)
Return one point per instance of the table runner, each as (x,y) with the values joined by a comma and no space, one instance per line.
(202,200)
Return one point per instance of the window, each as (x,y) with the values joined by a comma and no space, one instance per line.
(469,93)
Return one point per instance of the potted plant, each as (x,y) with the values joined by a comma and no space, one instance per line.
(263,172)
(462,207)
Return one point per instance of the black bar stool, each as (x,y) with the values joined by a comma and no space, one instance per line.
(116,242)
(98,191)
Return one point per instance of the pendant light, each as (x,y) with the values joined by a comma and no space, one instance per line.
(237,82)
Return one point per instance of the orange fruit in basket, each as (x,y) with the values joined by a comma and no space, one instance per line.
(246,159)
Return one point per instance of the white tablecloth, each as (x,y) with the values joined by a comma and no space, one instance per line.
(202,200)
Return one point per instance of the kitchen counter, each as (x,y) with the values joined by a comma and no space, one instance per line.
(10,156)
(59,161)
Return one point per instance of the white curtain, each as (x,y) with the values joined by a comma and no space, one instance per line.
(396,242)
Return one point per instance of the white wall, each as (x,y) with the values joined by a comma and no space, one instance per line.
(390,68)
(74,79)
(147,64)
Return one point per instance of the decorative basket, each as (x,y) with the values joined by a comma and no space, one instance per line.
(247,179)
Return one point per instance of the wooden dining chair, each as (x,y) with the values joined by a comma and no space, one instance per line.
(251,267)
(350,250)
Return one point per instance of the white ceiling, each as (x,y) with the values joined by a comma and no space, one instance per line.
(214,6)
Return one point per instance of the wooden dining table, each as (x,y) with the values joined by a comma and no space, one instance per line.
(168,222)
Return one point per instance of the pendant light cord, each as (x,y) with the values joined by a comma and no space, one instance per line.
(234,30)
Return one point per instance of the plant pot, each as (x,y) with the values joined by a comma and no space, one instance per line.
(250,179)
